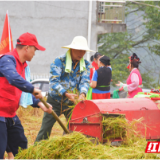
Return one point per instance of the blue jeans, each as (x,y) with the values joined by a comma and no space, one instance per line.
(11,136)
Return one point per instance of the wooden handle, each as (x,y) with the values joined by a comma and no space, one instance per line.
(55,116)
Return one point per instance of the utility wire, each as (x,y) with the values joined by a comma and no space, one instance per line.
(144,4)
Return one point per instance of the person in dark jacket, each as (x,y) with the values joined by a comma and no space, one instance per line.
(101,79)
(12,83)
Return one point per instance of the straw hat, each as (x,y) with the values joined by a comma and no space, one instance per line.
(79,43)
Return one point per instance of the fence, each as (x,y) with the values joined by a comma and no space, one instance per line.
(39,76)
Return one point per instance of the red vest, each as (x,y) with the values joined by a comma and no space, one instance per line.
(95,67)
(133,93)
(10,95)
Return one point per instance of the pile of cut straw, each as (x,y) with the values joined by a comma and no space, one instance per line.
(77,146)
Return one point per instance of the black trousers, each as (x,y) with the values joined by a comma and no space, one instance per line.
(11,136)
(48,120)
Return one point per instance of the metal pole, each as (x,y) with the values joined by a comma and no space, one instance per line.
(89,27)
(55,116)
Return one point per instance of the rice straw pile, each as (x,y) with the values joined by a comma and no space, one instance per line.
(77,146)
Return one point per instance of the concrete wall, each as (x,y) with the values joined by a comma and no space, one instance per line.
(54,23)
(103,28)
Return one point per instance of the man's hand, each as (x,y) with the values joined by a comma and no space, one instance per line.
(81,97)
(37,93)
(71,96)
(44,108)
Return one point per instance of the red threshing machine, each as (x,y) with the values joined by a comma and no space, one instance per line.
(87,115)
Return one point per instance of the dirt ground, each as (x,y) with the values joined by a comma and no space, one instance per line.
(31,119)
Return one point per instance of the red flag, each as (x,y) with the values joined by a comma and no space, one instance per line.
(6,44)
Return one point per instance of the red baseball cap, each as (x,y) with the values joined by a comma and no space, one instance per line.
(30,40)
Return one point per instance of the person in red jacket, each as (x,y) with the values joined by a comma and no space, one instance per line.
(94,60)
(12,83)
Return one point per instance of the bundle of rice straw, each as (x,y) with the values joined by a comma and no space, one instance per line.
(119,127)
(114,127)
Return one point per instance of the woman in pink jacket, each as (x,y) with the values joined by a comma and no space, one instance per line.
(134,80)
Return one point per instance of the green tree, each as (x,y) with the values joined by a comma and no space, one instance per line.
(119,46)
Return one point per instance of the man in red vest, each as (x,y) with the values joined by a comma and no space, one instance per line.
(12,83)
